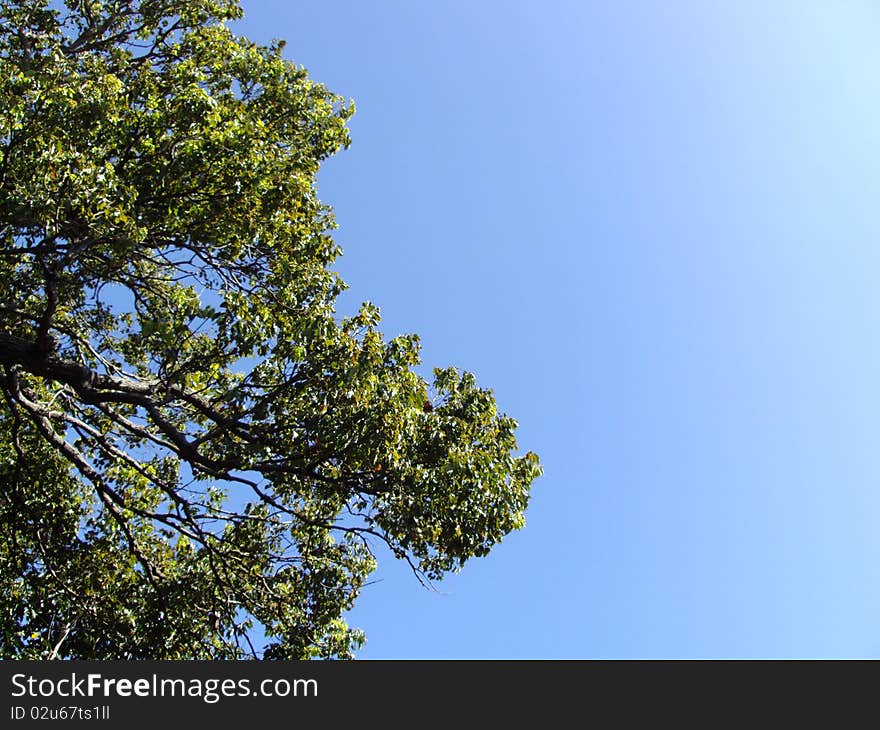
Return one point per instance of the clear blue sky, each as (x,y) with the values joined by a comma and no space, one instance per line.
(652,228)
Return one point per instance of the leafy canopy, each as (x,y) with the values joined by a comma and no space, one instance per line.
(195,450)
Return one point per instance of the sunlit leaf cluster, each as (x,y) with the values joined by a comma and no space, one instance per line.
(199,457)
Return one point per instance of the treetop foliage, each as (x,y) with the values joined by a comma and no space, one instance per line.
(196,451)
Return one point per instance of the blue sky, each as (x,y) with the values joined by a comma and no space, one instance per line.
(652,228)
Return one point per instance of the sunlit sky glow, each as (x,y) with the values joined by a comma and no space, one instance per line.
(652,228)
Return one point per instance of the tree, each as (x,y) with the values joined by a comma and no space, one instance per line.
(198,456)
